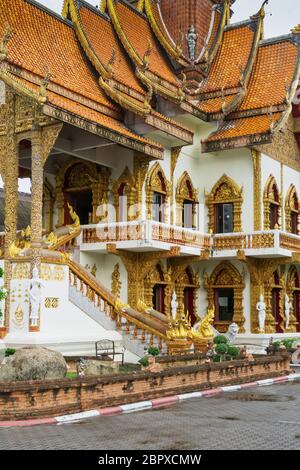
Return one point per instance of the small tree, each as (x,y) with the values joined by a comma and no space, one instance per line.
(220,339)
(221,349)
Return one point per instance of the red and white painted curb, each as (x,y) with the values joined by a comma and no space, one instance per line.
(149,404)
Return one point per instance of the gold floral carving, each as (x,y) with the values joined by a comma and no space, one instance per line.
(225,275)
(225,191)
(271,188)
(116,281)
(21,271)
(156,182)
(51,302)
(175,153)
(140,169)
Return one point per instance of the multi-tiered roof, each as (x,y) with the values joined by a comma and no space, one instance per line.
(151,60)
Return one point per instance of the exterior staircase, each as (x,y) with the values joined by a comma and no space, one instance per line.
(139,330)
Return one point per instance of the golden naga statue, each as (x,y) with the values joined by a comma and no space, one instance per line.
(120,306)
(21,243)
(74,217)
(51,240)
(142,307)
(179,329)
(205,327)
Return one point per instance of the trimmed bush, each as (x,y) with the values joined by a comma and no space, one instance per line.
(220,339)
(221,349)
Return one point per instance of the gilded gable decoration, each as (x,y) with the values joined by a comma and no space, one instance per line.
(225,190)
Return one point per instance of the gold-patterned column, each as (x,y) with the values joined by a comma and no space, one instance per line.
(10,172)
(257,194)
(37,173)
(175,152)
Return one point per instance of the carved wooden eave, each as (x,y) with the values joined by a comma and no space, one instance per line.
(238,142)
(170,127)
(155,152)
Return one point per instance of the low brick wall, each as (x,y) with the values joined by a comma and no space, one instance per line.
(23,400)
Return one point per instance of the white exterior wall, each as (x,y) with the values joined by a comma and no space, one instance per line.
(105,265)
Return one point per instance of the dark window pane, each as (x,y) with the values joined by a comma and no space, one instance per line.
(224,218)
(224,299)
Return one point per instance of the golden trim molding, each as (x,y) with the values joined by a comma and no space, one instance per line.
(290,207)
(270,199)
(257,199)
(185,191)
(157,182)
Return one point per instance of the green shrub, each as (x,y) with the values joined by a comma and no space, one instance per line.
(216,358)
(276,345)
(153,351)
(221,349)
(144,361)
(9,352)
(220,339)
(233,351)
(288,343)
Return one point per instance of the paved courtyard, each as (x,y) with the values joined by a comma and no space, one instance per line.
(264,418)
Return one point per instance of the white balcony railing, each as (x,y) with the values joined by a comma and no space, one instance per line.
(149,231)
(144,231)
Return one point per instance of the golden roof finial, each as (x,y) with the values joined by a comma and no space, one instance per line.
(103,6)
(296,29)
(141,5)
(43,87)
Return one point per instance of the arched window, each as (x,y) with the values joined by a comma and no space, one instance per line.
(157,194)
(225,206)
(124,196)
(292,211)
(186,202)
(272,209)
(186,286)
(156,292)
(225,294)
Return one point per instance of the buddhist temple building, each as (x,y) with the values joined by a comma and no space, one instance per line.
(162,142)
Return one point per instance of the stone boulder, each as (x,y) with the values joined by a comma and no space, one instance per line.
(33,363)
(93,367)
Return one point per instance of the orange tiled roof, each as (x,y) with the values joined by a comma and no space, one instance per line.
(244,127)
(41,42)
(272,75)
(140,36)
(89,114)
(214,105)
(105,43)
(231,60)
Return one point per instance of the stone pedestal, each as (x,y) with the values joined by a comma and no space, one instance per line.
(179,346)
(200,345)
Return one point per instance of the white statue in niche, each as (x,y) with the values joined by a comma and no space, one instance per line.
(261,309)
(287,311)
(35,296)
(174,306)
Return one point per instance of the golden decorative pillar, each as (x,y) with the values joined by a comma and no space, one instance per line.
(175,153)
(138,265)
(140,169)
(257,193)
(10,172)
(261,271)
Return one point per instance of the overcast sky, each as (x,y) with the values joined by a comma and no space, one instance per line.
(281,15)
